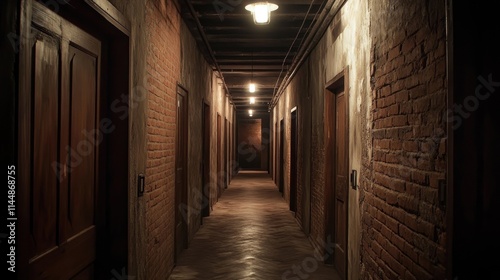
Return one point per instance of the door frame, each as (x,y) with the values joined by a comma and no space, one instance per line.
(339,82)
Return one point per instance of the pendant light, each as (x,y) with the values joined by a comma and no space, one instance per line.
(261,12)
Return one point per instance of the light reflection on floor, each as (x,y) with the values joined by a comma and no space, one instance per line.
(250,234)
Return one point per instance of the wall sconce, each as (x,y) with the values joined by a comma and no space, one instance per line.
(261,11)
(252,100)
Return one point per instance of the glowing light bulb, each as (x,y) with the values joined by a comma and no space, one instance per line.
(261,11)
(251,87)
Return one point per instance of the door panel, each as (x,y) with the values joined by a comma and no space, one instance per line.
(293,163)
(65,67)
(226,150)
(206,160)
(337,167)
(181,173)
(330,211)
(219,156)
(43,222)
(81,179)
(340,151)
(282,157)
(340,255)
(276,149)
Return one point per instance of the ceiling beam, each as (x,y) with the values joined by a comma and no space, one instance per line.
(257,53)
(258,98)
(255,68)
(247,23)
(245,2)
(251,73)
(273,61)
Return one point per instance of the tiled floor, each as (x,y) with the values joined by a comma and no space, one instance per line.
(251,234)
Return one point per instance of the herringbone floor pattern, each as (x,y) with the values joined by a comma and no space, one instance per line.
(251,234)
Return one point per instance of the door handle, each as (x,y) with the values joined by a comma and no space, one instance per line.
(141,181)
(354,179)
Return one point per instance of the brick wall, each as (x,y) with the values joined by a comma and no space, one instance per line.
(403,225)
(163,70)
(250,143)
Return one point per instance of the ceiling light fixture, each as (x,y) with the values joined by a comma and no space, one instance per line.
(250,113)
(261,11)
(251,88)
(252,100)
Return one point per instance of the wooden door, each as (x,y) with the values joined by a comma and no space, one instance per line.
(336,188)
(206,161)
(341,185)
(470,195)
(219,157)
(226,150)
(293,162)
(282,157)
(230,153)
(62,192)
(181,172)
(276,149)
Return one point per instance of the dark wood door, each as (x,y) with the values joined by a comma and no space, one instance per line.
(226,151)
(181,172)
(63,190)
(293,162)
(206,161)
(282,157)
(336,184)
(219,157)
(471,194)
(341,185)
(276,149)
(230,153)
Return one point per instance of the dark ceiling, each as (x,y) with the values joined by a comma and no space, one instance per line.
(241,51)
